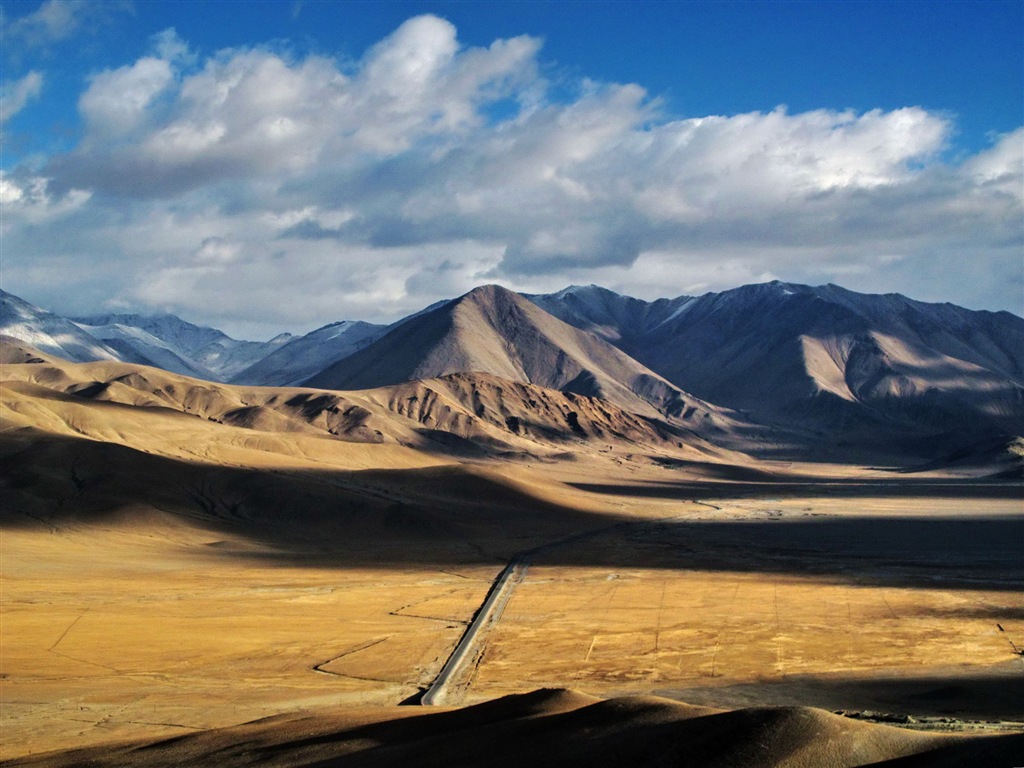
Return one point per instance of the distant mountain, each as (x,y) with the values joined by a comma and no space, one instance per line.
(823,357)
(136,344)
(53,334)
(162,341)
(495,331)
(624,321)
(303,356)
(177,345)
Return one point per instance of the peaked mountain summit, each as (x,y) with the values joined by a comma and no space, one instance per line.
(495,331)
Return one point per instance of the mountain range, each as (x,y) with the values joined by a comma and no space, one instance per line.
(792,368)
(873,368)
(168,342)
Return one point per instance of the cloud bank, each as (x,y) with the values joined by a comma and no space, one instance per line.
(258,190)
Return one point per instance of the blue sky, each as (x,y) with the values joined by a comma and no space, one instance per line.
(263,166)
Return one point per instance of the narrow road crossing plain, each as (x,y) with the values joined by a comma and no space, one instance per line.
(450,684)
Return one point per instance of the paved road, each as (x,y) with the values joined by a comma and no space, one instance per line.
(468,649)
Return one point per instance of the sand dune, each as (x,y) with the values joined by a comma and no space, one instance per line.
(554,728)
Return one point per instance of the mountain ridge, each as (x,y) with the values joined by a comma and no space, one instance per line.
(823,364)
(178,345)
(50,332)
(825,357)
(462,413)
(495,331)
(303,356)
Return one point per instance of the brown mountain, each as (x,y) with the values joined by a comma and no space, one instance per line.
(870,371)
(495,331)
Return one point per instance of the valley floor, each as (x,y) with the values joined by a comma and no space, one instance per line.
(855,596)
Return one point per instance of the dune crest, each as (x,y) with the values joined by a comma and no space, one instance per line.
(551,728)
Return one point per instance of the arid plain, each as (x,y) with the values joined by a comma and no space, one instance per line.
(166,571)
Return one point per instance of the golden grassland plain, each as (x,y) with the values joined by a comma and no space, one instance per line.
(112,634)
(637,630)
(721,605)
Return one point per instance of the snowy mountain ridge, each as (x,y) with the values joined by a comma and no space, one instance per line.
(178,345)
(51,333)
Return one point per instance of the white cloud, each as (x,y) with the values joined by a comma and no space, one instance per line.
(117,101)
(27,201)
(169,47)
(255,187)
(256,114)
(10,193)
(14,95)
(123,101)
(217,250)
(1001,168)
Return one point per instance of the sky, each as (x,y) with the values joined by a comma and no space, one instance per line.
(270,166)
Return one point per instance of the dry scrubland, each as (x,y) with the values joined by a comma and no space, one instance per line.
(164,574)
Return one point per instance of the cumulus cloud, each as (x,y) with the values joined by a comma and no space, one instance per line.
(427,167)
(28,201)
(258,114)
(117,101)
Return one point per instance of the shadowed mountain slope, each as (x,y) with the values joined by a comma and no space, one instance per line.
(824,357)
(1000,457)
(303,356)
(621,320)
